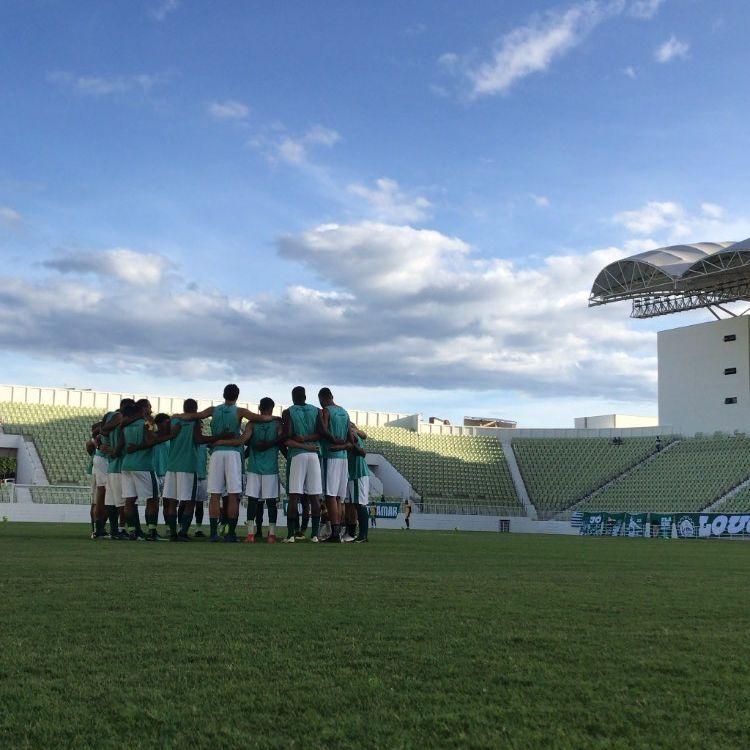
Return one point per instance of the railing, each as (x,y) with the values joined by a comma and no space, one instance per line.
(466,507)
(51,494)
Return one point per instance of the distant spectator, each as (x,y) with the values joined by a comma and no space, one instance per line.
(407,513)
(658,443)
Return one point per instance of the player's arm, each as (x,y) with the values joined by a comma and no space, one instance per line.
(251,416)
(241,440)
(264,445)
(353,432)
(312,447)
(324,420)
(205,414)
(150,439)
(200,438)
(115,421)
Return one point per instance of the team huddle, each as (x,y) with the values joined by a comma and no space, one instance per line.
(138,459)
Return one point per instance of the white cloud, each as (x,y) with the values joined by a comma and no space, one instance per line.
(229,109)
(390,203)
(9,216)
(671,49)
(163,8)
(542,201)
(671,223)
(645,8)
(104,85)
(295,150)
(630,71)
(119,263)
(532,48)
(651,217)
(407,308)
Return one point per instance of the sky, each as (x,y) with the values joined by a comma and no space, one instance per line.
(406,201)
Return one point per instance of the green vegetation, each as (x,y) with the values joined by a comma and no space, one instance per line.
(560,472)
(418,639)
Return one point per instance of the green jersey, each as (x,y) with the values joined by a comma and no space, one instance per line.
(338,426)
(267,461)
(225,419)
(358,464)
(112,440)
(304,421)
(161,453)
(90,465)
(202,469)
(183,450)
(142,460)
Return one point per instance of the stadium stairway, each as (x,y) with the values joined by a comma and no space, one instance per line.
(515,473)
(737,499)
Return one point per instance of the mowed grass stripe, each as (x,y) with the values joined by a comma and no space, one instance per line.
(430,639)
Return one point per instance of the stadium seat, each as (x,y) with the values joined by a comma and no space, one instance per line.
(559,472)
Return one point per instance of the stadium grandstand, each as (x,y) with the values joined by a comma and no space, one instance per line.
(547,475)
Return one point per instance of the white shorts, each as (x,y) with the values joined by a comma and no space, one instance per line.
(362,493)
(180,486)
(265,486)
(304,474)
(113,495)
(337,477)
(225,473)
(100,470)
(140,485)
(201,491)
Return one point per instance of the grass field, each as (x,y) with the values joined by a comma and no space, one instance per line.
(425,639)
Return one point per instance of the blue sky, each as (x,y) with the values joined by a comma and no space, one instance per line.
(405,201)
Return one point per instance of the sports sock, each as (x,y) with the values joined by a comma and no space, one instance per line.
(232,526)
(351,529)
(214,526)
(180,513)
(114,519)
(364,521)
(99,526)
(315,525)
(185,523)
(199,514)
(335,529)
(137,521)
(172,524)
(290,526)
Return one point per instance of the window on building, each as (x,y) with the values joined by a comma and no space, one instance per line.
(730,400)
(730,370)
(730,337)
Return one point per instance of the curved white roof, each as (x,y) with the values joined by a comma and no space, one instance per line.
(672,269)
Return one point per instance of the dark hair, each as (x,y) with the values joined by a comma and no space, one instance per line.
(190,405)
(126,402)
(132,409)
(231,392)
(325,393)
(298,393)
(266,403)
(143,402)
(159,418)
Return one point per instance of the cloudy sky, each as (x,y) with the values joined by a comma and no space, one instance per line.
(405,201)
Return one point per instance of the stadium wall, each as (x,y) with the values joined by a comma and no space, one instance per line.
(29,469)
(27,511)
(109,400)
(700,367)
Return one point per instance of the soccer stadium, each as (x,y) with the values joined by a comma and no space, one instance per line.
(374,375)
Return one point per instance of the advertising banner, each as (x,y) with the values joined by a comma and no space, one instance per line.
(712,525)
(688,525)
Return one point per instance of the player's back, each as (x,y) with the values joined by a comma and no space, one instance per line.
(183,451)
(141,460)
(225,420)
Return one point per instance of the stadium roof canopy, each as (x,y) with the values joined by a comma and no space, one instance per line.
(676,278)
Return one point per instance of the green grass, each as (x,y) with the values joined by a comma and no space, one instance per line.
(420,639)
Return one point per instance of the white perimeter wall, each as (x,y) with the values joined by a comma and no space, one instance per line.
(58,513)
(107,400)
(615,420)
(692,383)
